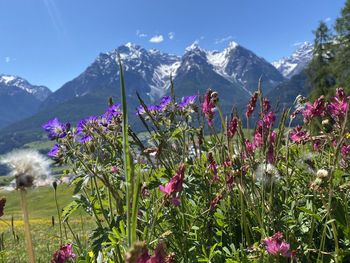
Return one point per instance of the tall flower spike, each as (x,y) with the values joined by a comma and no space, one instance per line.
(208,106)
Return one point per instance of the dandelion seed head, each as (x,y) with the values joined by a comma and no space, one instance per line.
(29,168)
(322,173)
(266,173)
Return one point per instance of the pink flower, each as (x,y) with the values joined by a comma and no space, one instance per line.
(297,135)
(313,110)
(212,166)
(339,105)
(270,154)
(175,183)
(317,145)
(345,150)
(64,254)
(174,186)
(159,256)
(277,247)
(251,105)
(266,105)
(215,202)
(258,135)
(269,119)
(208,106)
(249,147)
(232,127)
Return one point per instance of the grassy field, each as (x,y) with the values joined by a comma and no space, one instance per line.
(45,235)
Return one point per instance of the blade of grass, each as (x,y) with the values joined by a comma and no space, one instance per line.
(126,153)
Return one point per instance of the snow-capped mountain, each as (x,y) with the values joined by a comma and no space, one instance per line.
(294,64)
(233,72)
(19,99)
(13,83)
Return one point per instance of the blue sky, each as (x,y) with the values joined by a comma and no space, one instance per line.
(50,42)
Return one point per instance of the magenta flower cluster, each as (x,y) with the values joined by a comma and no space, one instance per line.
(276,246)
(64,254)
(208,107)
(174,186)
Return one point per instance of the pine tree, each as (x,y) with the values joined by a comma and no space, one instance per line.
(342,60)
(319,71)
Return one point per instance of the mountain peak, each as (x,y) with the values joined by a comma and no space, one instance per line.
(232,45)
(6,78)
(295,63)
(194,46)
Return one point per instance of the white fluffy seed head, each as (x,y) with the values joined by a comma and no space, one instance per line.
(29,168)
(266,173)
(322,173)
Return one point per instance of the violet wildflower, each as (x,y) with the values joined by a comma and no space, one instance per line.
(56,129)
(297,135)
(55,150)
(64,254)
(165,101)
(276,246)
(209,105)
(251,104)
(113,110)
(140,110)
(186,101)
(86,124)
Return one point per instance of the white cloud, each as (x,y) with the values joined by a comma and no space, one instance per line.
(140,34)
(327,19)
(157,39)
(7,59)
(171,35)
(297,44)
(222,40)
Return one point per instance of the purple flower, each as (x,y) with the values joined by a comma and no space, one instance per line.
(64,254)
(165,101)
(56,129)
(113,110)
(85,124)
(85,139)
(276,246)
(187,100)
(54,152)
